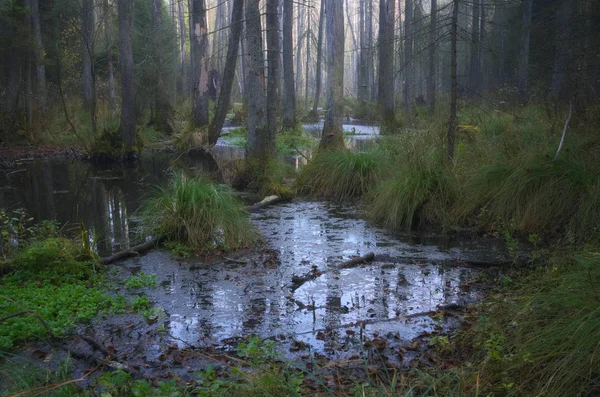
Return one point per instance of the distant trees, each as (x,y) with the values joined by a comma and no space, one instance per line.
(125,10)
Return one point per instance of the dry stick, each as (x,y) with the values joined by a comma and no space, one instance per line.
(562,139)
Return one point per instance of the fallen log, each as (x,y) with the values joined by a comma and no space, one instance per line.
(357,261)
(133,251)
(267,201)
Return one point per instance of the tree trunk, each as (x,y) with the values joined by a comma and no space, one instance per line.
(362,61)
(87,56)
(199,54)
(228,73)
(387,13)
(474,59)
(307,71)
(299,38)
(112,95)
(408,54)
(319,72)
(564,16)
(125,9)
(289,92)
(273,53)
(332,129)
(432,74)
(523,75)
(162,117)
(258,147)
(40,68)
(370,55)
(183,71)
(499,22)
(454,77)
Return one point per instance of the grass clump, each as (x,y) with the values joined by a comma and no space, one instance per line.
(201,215)
(341,175)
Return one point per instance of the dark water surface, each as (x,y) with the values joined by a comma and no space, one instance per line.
(214,301)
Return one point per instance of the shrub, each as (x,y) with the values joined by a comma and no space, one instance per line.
(200,214)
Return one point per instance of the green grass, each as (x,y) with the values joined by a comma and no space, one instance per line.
(198,213)
(341,175)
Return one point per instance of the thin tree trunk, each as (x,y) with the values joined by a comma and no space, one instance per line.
(88,74)
(370,55)
(199,54)
(183,71)
(482,45)
(408,54)
(564,16)
(289,92)
(523,75)
(386,61)
(273,54)
(332,129)
(474,59)
(228,73)
(432,73)
(125,9)
(362,73)
(258,146)
(299,38)
(307,71)
(163,111)
(112,95)
(454,90)
(40,68)
(319,72)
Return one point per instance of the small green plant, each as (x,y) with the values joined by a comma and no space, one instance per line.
(199,214)
(178,248)
(140,303)
(257,350)
(140,280)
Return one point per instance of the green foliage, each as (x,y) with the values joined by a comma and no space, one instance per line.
(15,229)
(109,146)
(140,280)
(199,214)
(273,178)
(257,350)
(341,175)
(294,141)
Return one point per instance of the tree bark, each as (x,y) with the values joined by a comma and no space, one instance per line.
(125,9)
(199,54)
(408,54)
(474,78)
(40,68)
(332,129)
(564,16)
(162,117)
(318,72)
(183,70)
(273,54)
(112,95)
(454,77)
(523,75)
(307,68)
(88,74)
(386,61)
(299,38)
(289,92)
(432,72)
(258,146)
(228,73)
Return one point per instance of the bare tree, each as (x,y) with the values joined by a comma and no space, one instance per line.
(432,73)
(228,72)
(199,55)
(386,61)
(408,54)
(318,71)
(88,74)
(289,92)
(523,75)
(454,77)
(125,9)
(273,54)
(332,129)
(40,68)
(258,145)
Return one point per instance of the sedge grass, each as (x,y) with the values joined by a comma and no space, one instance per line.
(199,214)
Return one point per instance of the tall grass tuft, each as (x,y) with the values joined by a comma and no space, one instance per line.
(199,214)
(341,175)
